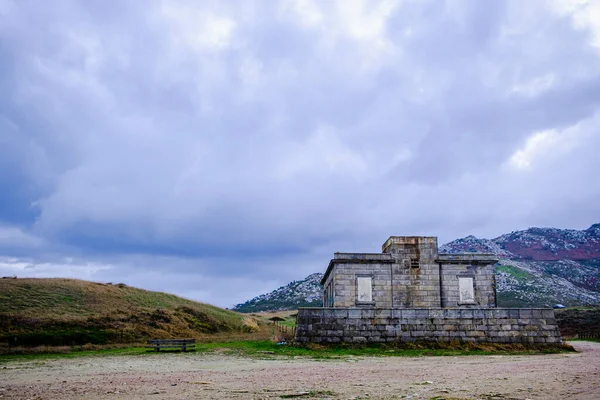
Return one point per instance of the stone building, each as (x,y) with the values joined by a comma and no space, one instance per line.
(411,292)
(410,273)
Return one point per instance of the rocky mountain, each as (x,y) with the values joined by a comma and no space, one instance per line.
(542,266)
(538,244)
(538,267)
(304,293)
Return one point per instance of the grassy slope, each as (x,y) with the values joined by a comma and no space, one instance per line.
(578,320)
(67,311)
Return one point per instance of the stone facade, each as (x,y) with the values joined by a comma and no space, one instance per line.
(360,325)
(410,292)
(409,273)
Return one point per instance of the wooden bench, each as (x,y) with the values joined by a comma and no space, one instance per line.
(183,344)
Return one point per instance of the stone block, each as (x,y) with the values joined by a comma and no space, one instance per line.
(525,313)
(536,321)
(535,327)
(368,313)
(340,313)
(383,313)
(548,313)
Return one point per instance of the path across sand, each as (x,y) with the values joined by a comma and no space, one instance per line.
(214,376)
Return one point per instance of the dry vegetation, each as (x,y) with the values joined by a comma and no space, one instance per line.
(575,321)
(70,312)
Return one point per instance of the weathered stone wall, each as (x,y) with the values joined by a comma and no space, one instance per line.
(328,295)
(409,274)
(416,274)
(483,283)
(359,325)
(416,287)
(344,282)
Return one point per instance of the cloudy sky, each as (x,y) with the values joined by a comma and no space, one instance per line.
(220,149)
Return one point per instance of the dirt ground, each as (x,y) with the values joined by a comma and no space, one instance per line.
(214,376)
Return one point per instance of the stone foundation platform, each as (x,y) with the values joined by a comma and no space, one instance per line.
(379,325)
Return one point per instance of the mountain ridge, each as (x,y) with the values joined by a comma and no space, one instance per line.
(536,244)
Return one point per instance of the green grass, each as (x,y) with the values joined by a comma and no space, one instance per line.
(267,349)
(291,323)
(515,272)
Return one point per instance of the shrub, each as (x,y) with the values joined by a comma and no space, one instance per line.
(249,324)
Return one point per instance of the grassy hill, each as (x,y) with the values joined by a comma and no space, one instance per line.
(575,321)
(74,312)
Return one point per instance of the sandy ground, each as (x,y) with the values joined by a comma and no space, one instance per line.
(214,376)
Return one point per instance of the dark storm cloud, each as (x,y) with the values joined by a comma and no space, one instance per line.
(238,146)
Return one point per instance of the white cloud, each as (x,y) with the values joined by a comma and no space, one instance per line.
(535,146)
(192,26)
(15,237)
(585,14)
(23,267)
(535,86)
(307,11)
(323,153)
(543,146)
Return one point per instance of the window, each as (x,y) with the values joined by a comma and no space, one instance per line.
(466,292)
(364,289)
